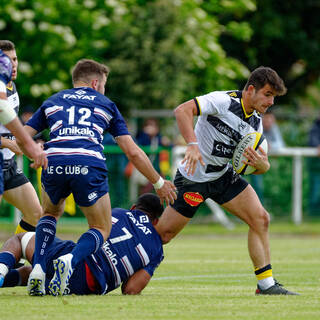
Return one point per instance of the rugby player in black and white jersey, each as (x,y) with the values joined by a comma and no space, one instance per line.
(18,191)
(10,120)
(224,117)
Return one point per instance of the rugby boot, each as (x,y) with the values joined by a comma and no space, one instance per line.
(276,289)
(36,282)
(63,271)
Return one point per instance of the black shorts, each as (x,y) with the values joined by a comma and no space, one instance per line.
(192,194)
(12,176)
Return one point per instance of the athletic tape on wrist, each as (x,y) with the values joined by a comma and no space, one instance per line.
(159,184)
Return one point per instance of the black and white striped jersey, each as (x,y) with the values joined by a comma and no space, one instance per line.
(14,102)
(221,124)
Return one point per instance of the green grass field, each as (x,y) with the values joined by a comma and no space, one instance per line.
(206,274)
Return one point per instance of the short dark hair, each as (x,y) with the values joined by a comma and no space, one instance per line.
(7,45)
(85,69)
(150,204)
(265,75)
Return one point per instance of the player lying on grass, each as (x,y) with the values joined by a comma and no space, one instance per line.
(129,256)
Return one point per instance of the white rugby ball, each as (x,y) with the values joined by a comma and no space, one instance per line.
(254,140)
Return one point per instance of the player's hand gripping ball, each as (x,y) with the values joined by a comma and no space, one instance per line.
(254,140)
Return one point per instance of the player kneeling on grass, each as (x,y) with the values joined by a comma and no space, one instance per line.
(129,256)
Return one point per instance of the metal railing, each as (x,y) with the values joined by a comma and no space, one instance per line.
(297,153)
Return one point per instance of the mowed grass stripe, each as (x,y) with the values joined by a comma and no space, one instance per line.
(200,278)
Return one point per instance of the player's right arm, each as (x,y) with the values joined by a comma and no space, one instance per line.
(136,283)
(184,114)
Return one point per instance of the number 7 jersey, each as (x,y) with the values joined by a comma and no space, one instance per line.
(77,119)
(133,244)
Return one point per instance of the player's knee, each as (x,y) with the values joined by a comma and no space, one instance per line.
(262,220)
(37,215)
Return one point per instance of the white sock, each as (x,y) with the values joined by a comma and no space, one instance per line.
(3,269)
(266,283)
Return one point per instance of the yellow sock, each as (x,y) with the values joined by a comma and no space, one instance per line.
(263,273)
(24,227)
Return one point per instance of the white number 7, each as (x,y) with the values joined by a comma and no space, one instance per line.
(127,235)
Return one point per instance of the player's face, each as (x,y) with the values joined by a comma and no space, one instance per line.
(101,84)
(262,99)
(14,60)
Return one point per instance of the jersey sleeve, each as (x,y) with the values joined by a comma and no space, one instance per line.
(118,126)
(154,263)
(38,120)
(212,103)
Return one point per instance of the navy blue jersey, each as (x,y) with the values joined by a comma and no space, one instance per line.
(77,119)
(133,244)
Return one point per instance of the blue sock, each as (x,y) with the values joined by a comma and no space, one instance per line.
(8,259)
(88,243)
(45,233)
(12,279)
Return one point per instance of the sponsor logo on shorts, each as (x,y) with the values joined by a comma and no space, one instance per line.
(193,198)
(92,196)
(75,169)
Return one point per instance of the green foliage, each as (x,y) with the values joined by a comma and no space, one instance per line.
(285,37)
(160,52)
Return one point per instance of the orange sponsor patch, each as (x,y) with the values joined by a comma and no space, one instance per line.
(193,198)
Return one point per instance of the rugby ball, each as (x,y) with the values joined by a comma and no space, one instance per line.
(254,140)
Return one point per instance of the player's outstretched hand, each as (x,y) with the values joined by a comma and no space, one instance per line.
(167,192)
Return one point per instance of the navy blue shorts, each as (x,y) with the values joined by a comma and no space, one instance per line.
(13,177)
(78,281)
(87,184)
(191,194)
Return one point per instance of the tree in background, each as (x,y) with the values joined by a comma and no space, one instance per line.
(160,52)
(285,37)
